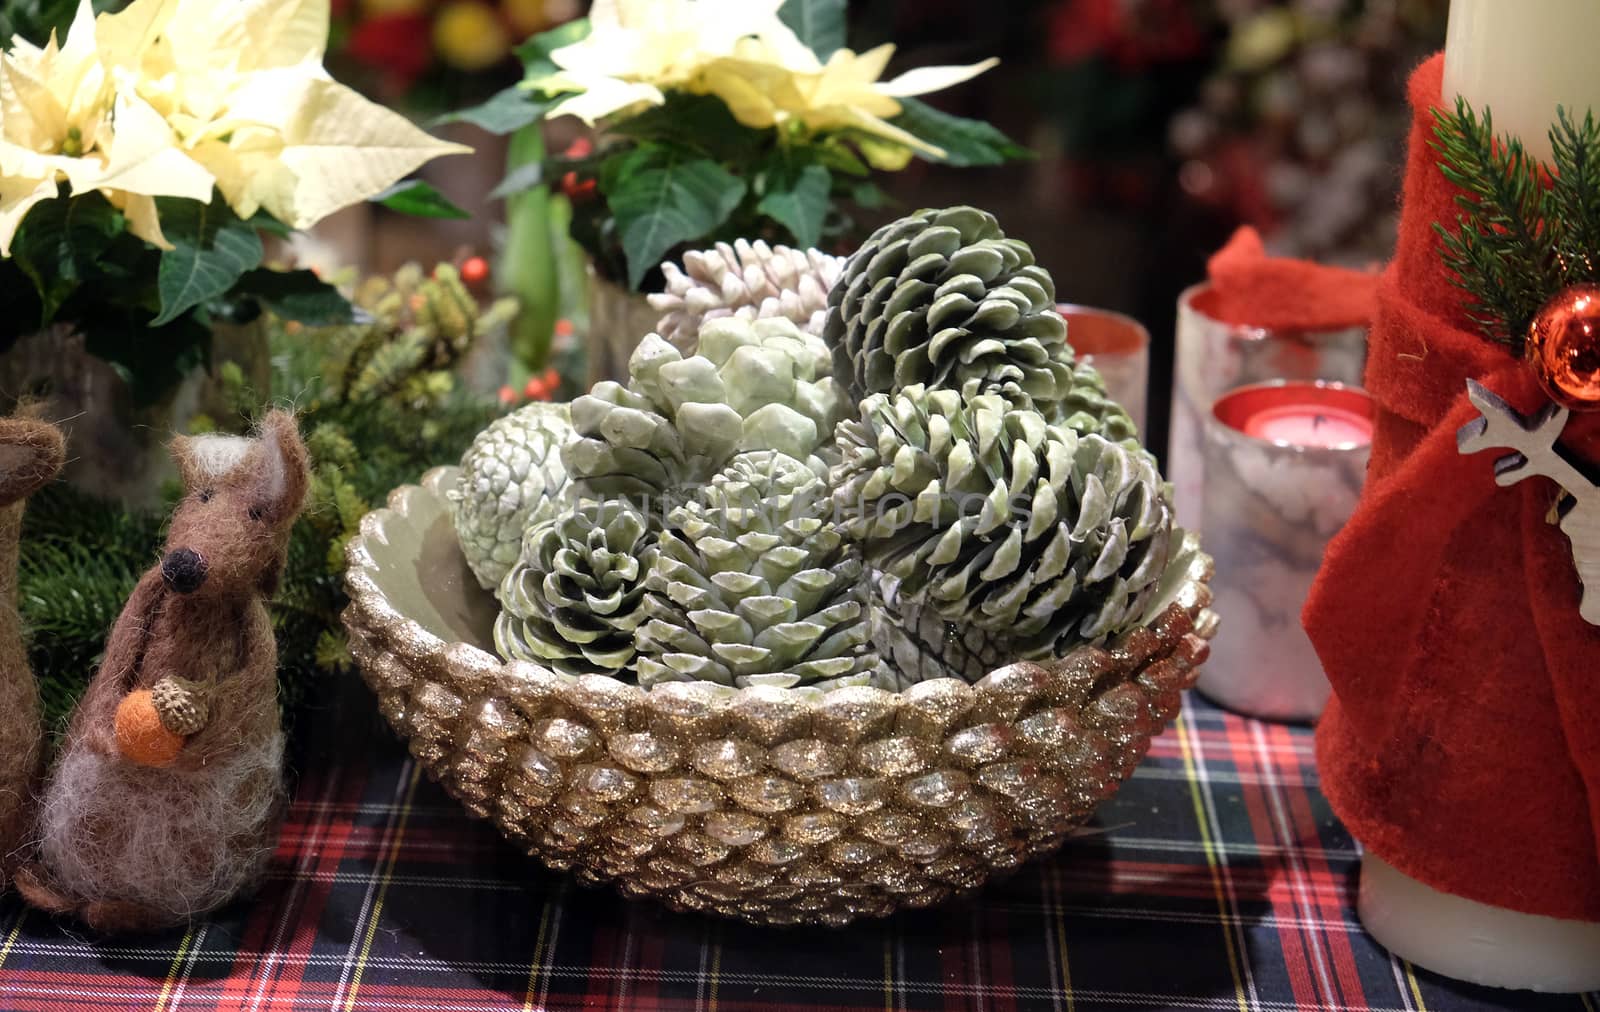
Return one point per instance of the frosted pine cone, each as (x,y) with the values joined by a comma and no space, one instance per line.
(761,385)
(755,586)
(997,519)
(748,280)
(511,478)
(573,599)
(942,298)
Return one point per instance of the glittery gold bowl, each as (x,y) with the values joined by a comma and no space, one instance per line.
(773,805)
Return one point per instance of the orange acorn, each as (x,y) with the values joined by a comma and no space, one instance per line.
(141,737)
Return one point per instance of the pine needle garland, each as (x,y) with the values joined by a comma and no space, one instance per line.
(1527,230)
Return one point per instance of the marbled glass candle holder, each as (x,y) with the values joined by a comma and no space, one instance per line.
(1118,347)
(1284,465)
(1214,356)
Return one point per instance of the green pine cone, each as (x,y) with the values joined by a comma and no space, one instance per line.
(754,586)
(1087,408)
(573,600)
(984,511)
(942,298)
(754,385)
(511,478)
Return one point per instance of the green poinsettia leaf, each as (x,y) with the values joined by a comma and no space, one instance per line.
(505,112)
(965,141)
(702,123)
(211,249)
(296,295)
(820,24)
(797,198)
(60,244)
(664,196)
(535,53)
(418,199)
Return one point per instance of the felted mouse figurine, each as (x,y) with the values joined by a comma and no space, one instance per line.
(31,452)
(165,800)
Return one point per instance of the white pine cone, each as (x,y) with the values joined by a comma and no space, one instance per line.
(749,280)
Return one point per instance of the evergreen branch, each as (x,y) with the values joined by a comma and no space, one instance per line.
(1502,254)
(1575,196)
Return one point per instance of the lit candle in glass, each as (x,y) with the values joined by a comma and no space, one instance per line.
(1313,424)
(1284,463)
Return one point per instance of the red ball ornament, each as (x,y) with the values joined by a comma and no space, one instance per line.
(1564,347)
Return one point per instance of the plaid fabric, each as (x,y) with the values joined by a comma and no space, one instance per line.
(1217,879)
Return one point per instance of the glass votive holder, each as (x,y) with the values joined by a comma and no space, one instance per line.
(1118,347)
(1284,465)
(1213,356)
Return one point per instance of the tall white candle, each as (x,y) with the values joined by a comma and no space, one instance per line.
(1521,59)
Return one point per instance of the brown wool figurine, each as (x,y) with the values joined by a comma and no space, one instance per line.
(165,799)
(31,453)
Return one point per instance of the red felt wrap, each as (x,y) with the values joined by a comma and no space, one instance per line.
(1277,293)
(1462,743)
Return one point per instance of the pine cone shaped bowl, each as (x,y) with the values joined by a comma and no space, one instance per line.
(777,806)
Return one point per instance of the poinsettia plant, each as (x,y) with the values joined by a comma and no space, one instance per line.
(143,156)
(724,118)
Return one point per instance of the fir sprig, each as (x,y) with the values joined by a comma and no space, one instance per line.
(1575,195)
(1527,230)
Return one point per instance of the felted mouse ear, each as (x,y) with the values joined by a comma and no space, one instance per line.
(283,466)
(204,460)
(31,452)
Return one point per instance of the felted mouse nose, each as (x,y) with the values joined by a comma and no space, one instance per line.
(184,570)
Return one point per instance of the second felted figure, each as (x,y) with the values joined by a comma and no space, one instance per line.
(165,799)
(31,452)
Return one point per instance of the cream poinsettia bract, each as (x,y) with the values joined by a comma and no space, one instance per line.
(170,98)
(743,53)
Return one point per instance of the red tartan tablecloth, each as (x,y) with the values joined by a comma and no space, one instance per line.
(1216,879)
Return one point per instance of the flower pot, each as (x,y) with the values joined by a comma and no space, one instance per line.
(776,806)
(618,320)
(116,447)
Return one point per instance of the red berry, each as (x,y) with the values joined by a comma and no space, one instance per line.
(475,270)
(508,395)
(577,190)
(564,327)
(583,147)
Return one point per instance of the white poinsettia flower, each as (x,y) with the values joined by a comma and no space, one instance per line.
(57,110)
(741,52)
(763,88)
(171,98)
(637,49)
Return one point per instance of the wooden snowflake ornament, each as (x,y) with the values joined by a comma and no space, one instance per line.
(1536,454)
